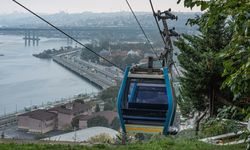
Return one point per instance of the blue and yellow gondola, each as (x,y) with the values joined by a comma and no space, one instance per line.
(145,102)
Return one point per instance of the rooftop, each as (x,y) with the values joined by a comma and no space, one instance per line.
(72,108)
(83,135)
(40,115)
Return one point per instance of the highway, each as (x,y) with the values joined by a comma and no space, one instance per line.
(96,74)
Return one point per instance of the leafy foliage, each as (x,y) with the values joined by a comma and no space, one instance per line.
(213,127)
(115,124)
(227,112)
(75,123)
(101,138)
(109,97)
(98,121)
(236,53)
(109,105)
(220,55)
(235,113)
(2,135)
(39,136)
(200,85)
(81,101)
(109,93)
(165,143)
(97,108)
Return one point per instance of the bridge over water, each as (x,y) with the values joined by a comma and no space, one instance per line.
(112,33)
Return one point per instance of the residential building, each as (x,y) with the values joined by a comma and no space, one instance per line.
(39,121)
(133,53)
(66,113)
(60,117)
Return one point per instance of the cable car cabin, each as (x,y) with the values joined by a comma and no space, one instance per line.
(145,101)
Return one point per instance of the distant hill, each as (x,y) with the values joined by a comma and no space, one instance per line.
(89,19)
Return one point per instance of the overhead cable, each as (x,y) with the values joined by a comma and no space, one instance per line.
(58,29)
(138,22)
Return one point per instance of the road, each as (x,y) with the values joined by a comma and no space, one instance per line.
(97,74)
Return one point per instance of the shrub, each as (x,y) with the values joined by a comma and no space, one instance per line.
(75,123)
(98,121)
(115,124)
(97,108)
(110,105)
(214,127)
(101,138)
(40,136)
(109,93)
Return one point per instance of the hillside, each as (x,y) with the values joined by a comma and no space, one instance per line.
(168,143)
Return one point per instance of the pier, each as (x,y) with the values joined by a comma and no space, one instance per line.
(31,36)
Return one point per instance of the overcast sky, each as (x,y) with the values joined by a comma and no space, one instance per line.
(76,6)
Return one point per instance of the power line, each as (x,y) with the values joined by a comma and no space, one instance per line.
(138,22)
(58,29)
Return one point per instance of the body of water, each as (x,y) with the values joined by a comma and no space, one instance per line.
(26,80)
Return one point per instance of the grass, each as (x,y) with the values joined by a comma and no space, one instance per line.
(163,144)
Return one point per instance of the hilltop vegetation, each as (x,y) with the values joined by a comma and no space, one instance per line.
(167,143)
(217,62)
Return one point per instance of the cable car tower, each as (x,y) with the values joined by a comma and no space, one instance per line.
(146,100)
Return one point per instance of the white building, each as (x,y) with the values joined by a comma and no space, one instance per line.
(83,135)
(133,53)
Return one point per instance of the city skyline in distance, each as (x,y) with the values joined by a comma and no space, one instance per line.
(78,6)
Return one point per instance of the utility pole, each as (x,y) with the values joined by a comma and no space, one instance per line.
(167,55)
(166,34)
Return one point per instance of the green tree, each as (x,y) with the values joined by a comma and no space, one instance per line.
(75,123)
(236,54)
(200,85)
(223,55)
(97,108)
(86,55)
(2,135)
(98,121)
(109,105)
(115,124)
(109,93)
(81,101)
(132,59)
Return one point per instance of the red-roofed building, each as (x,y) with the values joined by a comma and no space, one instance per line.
(39,121)
(43,121)
(66,113)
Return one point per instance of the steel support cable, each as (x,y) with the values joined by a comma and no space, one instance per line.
(177,70)
(158,26)
(58,29)
(138,22)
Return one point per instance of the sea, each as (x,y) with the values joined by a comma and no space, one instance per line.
(27,81)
